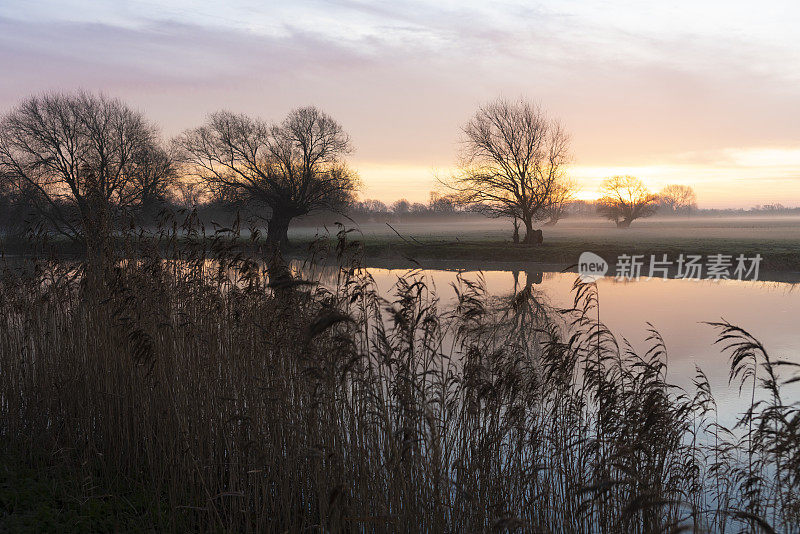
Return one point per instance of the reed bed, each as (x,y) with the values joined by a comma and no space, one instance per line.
(181,390)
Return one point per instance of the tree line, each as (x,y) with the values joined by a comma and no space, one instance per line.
(84,165)
(664,203)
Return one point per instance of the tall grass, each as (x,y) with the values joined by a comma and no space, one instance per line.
(180,390)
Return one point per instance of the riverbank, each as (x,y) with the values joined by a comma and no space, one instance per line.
(484,244)
(780,259)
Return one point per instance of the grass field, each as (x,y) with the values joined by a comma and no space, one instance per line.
(486,243)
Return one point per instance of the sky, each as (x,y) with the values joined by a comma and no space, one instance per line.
(703,93)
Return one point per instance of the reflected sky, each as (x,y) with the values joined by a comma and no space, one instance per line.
(678,309)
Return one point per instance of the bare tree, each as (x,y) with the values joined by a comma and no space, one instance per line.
(187,193)
(625,199)
(375,206)
(154,175)
(293,168)
(678,198)
(7,204)
(368,207)
(512,162)
(418,208)
(74,156)
(401,207)
(439,203)
(563,194)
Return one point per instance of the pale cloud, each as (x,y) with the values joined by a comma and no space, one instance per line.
(766,157)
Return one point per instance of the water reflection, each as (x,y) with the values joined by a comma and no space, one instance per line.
(678,309)
(532,277)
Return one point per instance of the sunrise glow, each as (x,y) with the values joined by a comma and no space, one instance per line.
(699,93)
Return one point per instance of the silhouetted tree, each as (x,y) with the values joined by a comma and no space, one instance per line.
(678,199)
(188,193)
(75,158)
(439,203)
(401,207)
(293,168)
(374,206)
(776,207)
(625,199)
(512,162)
(582,208)
(559,204)
(154,175)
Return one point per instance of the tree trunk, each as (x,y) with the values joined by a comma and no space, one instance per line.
(280,276)
(624,223)
(98,238)
(278,229)
(528,230)
(532,237)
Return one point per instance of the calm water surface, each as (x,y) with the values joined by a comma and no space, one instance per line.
(676,308)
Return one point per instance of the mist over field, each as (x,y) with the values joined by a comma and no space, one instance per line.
(744,227)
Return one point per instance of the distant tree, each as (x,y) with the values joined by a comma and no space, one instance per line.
(369,208)
(581,208)
(154,175)
(418,208)
(512,162)
(189,193)
(373,206)
(625,199)
(401,207)
(678,199)
(439,203)
(231,198)
(376,206)
(75,158)
(562,196)
(293,168)
(769,207)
